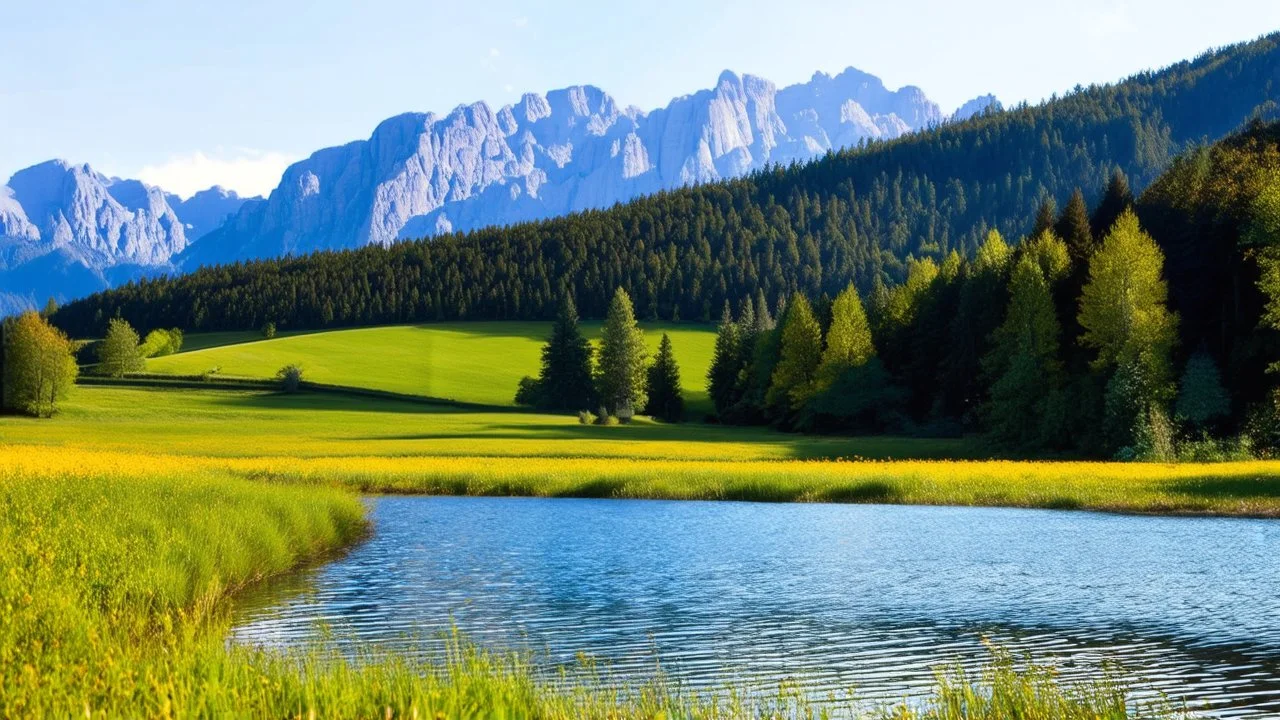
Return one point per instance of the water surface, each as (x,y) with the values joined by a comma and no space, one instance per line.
(864,597)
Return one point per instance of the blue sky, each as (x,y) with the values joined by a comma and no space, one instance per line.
(186,94)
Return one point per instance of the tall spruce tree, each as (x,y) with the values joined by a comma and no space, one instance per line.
(799,355)
(1201,397)
(666,402)
(1046,217)
(620,374)
(1073,228)
(1117,198)
(565,381)
(848,339)
(984,286)
(1024,408)
(723,380)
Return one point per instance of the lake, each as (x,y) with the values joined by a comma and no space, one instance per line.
(864,597)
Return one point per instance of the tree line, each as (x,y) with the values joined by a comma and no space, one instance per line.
(859,216)
(1101,333)
(617,380)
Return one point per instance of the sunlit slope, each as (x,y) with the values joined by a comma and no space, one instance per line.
(479,362)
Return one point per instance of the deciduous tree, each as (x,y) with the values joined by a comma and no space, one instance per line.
(39,366)
(119,353)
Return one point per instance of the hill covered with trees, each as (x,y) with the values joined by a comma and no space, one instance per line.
(858,216)
(1103,333)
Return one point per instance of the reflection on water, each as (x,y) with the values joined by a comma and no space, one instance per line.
(864,597)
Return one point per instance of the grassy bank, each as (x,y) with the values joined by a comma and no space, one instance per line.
(117,568)
(1248,489)
(386,446)
(477,362)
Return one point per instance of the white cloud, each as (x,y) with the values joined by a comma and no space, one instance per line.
(248,172)
(494,52)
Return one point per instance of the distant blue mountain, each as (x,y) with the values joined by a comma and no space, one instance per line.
(66,230)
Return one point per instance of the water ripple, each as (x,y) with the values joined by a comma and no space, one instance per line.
(837,597)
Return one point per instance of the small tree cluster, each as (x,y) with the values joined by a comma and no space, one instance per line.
(161,342)
(620,384)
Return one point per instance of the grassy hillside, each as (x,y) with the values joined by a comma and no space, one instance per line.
(479,362)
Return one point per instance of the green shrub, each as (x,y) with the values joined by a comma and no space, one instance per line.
(290,378)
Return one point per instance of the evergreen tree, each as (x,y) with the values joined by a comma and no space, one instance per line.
(799,355)
(119,353)
(665,399)
(1073,228)
(565,381)
(620,377)
(848,340)
(723,381)
(1201,397)
(984,286)
(1024,408)
(1046,217)
(1117,198)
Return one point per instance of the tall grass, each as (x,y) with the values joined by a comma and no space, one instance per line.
(1239,488)
(115,569)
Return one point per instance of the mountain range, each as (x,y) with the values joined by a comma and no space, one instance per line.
(66,230)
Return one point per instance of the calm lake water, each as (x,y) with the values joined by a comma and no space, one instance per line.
(864,597)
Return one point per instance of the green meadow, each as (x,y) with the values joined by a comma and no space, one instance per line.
(476,362)
(171,499)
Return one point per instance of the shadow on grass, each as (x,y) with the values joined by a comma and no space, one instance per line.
(1219,487)
(870,491)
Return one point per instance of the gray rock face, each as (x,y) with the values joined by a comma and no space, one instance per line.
(205,211)
(977,106)
(573,149)
(66,229)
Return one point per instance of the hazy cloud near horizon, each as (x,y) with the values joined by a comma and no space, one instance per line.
(248,172)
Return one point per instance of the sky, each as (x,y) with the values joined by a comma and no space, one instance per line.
(190,94)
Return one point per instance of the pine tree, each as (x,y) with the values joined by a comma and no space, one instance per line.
(1046,217)
(1024,408)
(723,380)
(565,381)
(620,377)
(1201,397)
(119,354)
(983,288)
(1073,228)
(665,399)
(799,355)
(1117,198)
(848,340)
